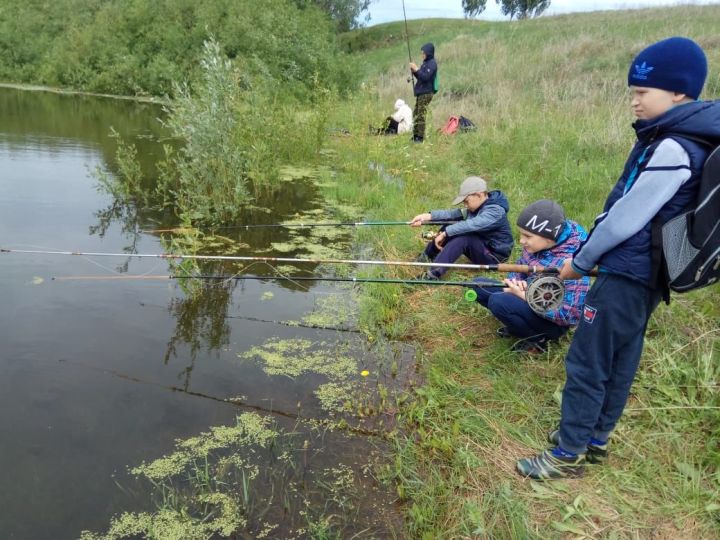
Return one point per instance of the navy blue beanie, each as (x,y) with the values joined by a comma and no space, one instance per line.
(676,64)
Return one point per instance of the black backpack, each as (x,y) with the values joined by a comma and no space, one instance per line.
(691,241)
(465,124)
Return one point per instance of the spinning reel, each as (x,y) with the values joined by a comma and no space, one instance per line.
(544,293)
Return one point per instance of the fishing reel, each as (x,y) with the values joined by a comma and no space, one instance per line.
(544,293)
(429,235)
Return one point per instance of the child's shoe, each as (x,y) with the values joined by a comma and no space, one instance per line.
(427,276)
(531,346)
(503,332)
(597,454)
(551,465)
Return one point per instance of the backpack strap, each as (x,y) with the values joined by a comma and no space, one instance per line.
(698,140)
(659,278)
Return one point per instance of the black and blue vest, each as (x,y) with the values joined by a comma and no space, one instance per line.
(633,257)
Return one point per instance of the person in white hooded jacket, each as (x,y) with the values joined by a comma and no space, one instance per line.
(403,116)
(401,121)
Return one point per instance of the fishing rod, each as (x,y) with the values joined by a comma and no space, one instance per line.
(235,277)
(303,225)
(544,293)
(501,267)
(407,40)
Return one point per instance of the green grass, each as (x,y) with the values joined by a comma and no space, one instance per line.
(550,101)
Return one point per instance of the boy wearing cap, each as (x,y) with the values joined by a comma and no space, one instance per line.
(482,232)
(547,239)
(659,181)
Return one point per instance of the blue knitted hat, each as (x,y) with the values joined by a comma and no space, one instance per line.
(676,64)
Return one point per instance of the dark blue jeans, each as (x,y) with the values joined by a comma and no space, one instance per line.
(516,315)
(603,359)
(470,245)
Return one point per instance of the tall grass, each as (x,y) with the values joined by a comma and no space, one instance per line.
(550,100)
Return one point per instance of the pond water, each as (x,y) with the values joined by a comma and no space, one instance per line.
(99,376)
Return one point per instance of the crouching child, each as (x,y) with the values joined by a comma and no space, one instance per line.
(481,230)
(547,239)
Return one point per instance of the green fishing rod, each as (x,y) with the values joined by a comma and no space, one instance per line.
(300,225)
(470,295)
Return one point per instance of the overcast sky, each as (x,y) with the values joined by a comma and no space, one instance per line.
(392,10)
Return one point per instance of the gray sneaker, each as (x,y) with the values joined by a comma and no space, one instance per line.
(546,466)
(596,454)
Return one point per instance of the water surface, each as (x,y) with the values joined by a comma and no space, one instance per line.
(101,375)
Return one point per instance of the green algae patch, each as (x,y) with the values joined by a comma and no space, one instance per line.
(250,429)
(295,357)
(202,487)
(289,173)
(171,524)
(334,310)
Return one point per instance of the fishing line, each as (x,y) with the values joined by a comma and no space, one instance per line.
(228,401)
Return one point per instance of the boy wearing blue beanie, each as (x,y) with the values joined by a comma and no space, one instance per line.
(675,134)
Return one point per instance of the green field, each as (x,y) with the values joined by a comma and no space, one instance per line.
(550,100)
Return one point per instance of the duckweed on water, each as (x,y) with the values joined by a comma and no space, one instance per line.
(333,310)
(201,511)
(251,429)
(169,524)
(295,357)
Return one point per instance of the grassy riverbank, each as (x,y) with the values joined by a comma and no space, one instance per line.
(550,101)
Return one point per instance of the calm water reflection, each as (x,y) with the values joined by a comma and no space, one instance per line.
(70,419)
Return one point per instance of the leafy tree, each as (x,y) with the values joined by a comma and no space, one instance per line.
(345,13)
(523,9)
(519,9)
(471,8)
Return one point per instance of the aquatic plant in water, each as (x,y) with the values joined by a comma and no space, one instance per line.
(204,504)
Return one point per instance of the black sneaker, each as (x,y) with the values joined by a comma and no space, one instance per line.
(546,466)
(503,332)
(530,346)
(596,454)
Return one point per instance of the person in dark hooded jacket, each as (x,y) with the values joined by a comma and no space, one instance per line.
(482,232)
(424,88)
(660,180)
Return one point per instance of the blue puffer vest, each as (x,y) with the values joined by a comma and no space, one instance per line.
(633,257)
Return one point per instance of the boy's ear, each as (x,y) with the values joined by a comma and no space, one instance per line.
(679,98)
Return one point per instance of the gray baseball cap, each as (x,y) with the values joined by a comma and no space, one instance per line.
(472,184)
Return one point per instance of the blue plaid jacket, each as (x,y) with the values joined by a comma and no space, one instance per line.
(575,289)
